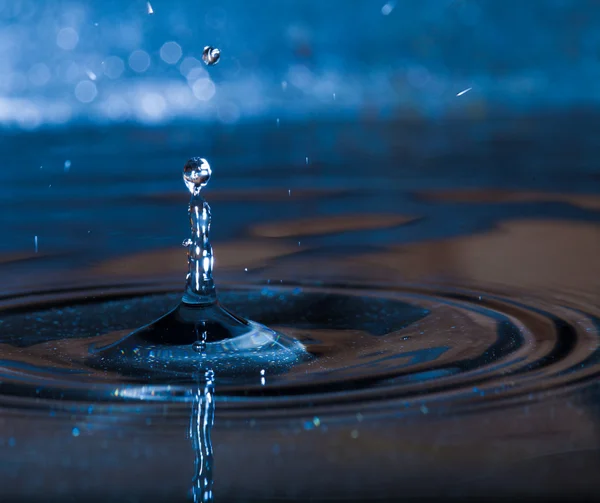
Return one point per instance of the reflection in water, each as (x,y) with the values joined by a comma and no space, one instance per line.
(201,422)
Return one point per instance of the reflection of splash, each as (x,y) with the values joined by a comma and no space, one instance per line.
(203,416)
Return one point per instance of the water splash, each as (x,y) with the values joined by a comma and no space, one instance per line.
(200,286)
(199,327)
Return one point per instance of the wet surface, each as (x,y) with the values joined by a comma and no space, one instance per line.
(444,278)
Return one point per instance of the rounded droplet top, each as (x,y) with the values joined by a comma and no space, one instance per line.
(211,55)
(196,174)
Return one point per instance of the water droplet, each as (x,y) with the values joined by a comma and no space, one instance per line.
(424,409)
(307,160)
(35,242)
(67,165)
(149,8)
(196,174)
(198,346)
(75,432)
(211,55)
(246,269)
(354,434)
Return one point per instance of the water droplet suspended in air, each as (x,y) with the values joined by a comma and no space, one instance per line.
(211,55)
(196,174)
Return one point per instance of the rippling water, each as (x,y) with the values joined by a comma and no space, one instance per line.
(443,278)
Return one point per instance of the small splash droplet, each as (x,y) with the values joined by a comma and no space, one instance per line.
(67,165)
(289,192)
(464,91)
(198,346)
(277,121)
(307,160)
(149,8)
(354,434)
(35,243)
(211,55)
(75,432)
(246,269)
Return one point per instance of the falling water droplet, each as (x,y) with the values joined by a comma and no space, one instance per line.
(35,242)
(211,55)
(67,165)
(307,161)
(149,7)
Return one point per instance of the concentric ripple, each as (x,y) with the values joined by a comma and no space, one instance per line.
(373,349)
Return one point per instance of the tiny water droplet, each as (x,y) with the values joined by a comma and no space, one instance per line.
(211,55)
(35,242)
(246,269)
(75,432)
(277,121)
(307,160)
(464,91)
(67,165)
(354,434)
(149,8)
(284,85)
(289,192)
(187,242)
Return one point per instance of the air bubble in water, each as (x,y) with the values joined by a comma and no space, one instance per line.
(211,55)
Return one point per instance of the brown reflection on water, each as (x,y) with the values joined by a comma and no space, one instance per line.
(525,253)
(328,225)
(585,201)
(243,254)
